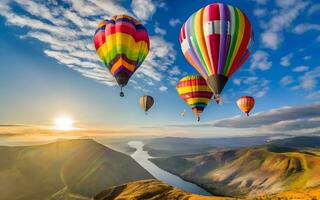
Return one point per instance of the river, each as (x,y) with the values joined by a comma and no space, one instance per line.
(142,157)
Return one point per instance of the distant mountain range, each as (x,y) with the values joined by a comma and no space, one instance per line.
(285,165)
(71,169)
(172,146)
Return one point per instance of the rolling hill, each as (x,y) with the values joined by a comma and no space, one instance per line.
(248,171)
(149,190)
(71,169)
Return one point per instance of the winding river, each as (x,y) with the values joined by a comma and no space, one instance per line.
(142,157)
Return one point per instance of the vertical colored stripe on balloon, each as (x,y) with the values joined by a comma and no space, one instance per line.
(241,29)
(192,52)
(234,18)
(243,46)
(195,44)
(199,33)
(223,37)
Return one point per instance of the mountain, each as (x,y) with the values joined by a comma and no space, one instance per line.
(298,142)
(173,146)
(149,190)
(70,169)
(248,171)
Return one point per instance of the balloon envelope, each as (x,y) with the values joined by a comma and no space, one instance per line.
(146,102)
(246,103)
(216,40)
(195,92)
(122,43)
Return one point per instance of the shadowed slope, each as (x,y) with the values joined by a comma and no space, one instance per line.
(73,169)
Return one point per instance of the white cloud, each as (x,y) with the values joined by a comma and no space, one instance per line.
(159,30)
(272,118)
(251,85)
(270,39)
(286,80)
(300,68)
(163,88)
(174,22)
(314,95)
(260,12)
(302,28)
(260,1)
(67,34)
(309,80)
(315,8)
(175,71)
(173,80)
(260,60)
(143,9)
(307,57)
(161,57)
(237,81)
(281,20)
(286,60)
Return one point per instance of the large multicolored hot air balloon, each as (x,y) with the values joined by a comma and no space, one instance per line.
(122,43)
(216,40)
(195,92)
(246,103)
(146,102)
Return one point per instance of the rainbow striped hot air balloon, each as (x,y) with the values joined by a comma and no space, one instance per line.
(216,40)
(195,92)
(246,103)
(122,43)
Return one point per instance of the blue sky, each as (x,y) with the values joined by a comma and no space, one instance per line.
(48,65)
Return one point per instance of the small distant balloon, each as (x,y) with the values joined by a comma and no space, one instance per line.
(122,43)
(146,102)
(246,103)
(183,113)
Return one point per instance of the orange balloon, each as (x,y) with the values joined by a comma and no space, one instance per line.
(245,103)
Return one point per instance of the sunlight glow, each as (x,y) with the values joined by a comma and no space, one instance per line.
(64,123)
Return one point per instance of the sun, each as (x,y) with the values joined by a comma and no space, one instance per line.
(63,123)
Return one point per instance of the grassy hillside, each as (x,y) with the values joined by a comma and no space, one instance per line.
(308,194)
(249,171)
(71,169)
(149,190)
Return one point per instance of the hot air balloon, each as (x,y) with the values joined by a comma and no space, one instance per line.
(245,103)
(146,102)
(122,43)
(216,42)
(195,92)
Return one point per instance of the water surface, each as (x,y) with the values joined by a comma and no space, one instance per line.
(142,157)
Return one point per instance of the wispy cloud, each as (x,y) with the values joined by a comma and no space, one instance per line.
(286,60)
(282,19)
(309,80)
(163,88)
(302,28)
(280,119)
(143,9)
(260,60)
(315,8)
(300,68)
(286,80)
(174,22)
(67,30)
